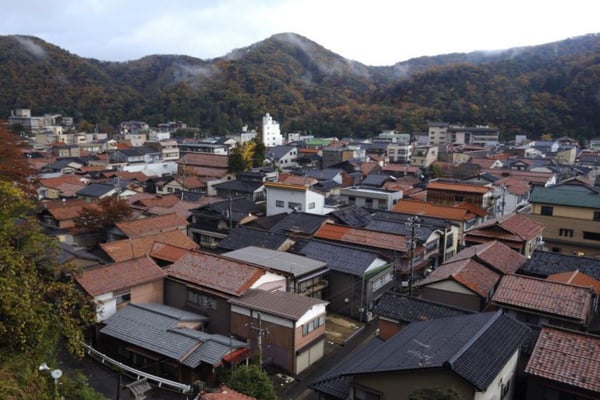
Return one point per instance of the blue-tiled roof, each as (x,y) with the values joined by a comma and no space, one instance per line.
(544,263)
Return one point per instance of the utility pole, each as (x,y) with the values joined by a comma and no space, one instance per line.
(413,223)
(261,332)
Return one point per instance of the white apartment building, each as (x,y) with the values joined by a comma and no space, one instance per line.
(271,134)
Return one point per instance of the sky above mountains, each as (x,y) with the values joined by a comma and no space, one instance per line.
(376,32)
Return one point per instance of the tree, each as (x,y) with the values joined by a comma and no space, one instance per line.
(434,394)
(250,380)
(258,157)
(14,167)
(99,217)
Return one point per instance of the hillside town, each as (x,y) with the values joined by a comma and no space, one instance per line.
(464,264)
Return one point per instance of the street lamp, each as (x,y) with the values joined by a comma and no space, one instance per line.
(55,374)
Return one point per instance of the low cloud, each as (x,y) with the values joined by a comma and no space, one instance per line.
(33,48)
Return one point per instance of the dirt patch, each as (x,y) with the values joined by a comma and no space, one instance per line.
(339,328)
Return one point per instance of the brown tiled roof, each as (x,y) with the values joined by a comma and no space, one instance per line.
(126,249)
(514,227)
(467,272)
(66,213)
(555,298)
(496,255)
(151,225)
(527,176)
(515,186)
(432,210)
(567,357)
(190,182)
(207,172)
(409,169)
(367,167)
(214,272)
(167,252)
(364,237)
(457,187)
(224,393)
(138,176)
(283,304)
(577,278)
(144,201)
(205,160)
(289,179)
(60,180)
(118,276)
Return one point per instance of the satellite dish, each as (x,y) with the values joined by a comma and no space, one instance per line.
(56,373)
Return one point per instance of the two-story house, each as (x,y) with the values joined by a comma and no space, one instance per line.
(286,198)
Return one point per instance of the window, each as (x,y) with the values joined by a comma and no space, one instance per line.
(279,203)
(547,210)
(294,206)
(361,393)
(201,300)
(123,297)
(312,325)
(382,280)
(565,232)
(596,215)
(311,205)
(591,236)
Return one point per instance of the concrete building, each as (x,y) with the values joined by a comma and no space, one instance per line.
(271,134)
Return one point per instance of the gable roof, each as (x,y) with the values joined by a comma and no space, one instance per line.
(283,262)
(495,255)
(362,237)
(566,196)
(299,222)
(517,227)
(151,225)
(346,259)
(458,187)
(576,278)
(286,305)
(559,299)
(545,263)
(96,190)
(567,357)
(112,277)
(242,236)
(217,274)
(159,328)
(217,161)
(433,210)
(352,215)
(126,249)
(409,309)
(474,346)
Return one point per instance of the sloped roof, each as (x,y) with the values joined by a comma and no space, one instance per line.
(151,225)
(70,212)
(350,260)
(564,196)
(410,309)
(352,215)
(423,208)
(242,236)
(544,296)
(495,255)
(155,327)
(287,305)
(112,277)
(577,278)
(299,222)
(167,252)
(224,393)
(469,273)
(474,346)
(216,161)
(126,249)
(567,357)
(364,237)
(458,187)
(545,263)
(215,273)
(517,227)
(95,190)
(287,263)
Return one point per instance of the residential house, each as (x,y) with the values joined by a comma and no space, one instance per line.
(517,231)
(61,214)
(532,178)
(136,154)
(223,393)
(169,342)
(61,187)
(283,198)
(395,311)
(211,146)
(303,275)
(295,225)
(370,198)
(287,329)
(476,354)
(96,191)
(543,264)
(469,278)
(570,213)
(242,236)
(203,283)
(249,184)
(169,150)
(113,286)
(125,249)
(212,222)
(281,156)
(442,134)
(335,153)
(147,226)
(540,302)
(356,277)
(210,168)
(563,365)
(451,194)
(179,184)
(424,156)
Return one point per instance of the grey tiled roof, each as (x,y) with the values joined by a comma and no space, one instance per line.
(299,222)
(475,346)
(353,215)
(154,327)
(241,237)
(407,309)
(283,262)
(349,260)
(239,186)
(391,222)
(544,263)
(95,190)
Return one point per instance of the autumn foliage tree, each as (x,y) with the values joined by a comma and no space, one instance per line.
(99,217)
(14,167)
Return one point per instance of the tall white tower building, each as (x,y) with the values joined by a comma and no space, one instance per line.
(271,135)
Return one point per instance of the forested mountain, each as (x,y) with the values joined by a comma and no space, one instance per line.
(552,88)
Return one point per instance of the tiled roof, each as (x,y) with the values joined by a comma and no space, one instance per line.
(469,273)
(364,237)
(299,222)
(155,327)
(494,255)
(283,262)
(112,277)
(340,258)
(539,295)
(66,213)
(126,249)
(289,179)
(410,309)
(432,210)
(352,215)
(207,172)
(565,196)
(215,273)
(96,190)
(474,346)
(206,160)
(567,357)
(544,263)
(527,176)
(287,305)
(60,180)
(167,252)
(457,187)
(577,278)
(514,186)
(241,237)
(516,227)
(151,225)
(224,393)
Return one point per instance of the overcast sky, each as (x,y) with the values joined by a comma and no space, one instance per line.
(373,32)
